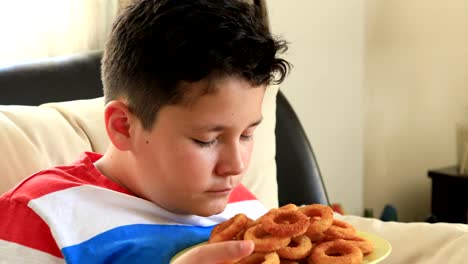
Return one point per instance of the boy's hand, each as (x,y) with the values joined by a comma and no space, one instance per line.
(222,252)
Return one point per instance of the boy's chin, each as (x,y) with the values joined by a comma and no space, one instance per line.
(211,209)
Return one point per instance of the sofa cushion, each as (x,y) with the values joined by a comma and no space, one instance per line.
(38,137)
(417,243)
(35,138)
(87,119)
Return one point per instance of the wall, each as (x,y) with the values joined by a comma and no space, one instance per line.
(416,91)
(326,86)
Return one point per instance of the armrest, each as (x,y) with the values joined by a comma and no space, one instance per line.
(55,79)
(417,243)
(298,174)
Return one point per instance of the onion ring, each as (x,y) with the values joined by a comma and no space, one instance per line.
(287,261)
(285,223)
(299,248)
(317,237)
(340,229)
(320,217)
(264,258)
(265,242)
(240,235)
(335,252)
(292,235)
(289,207)
(364,244)
(272,258)
(228,230)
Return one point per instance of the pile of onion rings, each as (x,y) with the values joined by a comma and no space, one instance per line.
(292,234)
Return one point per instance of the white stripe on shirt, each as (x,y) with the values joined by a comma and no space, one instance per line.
(116,209)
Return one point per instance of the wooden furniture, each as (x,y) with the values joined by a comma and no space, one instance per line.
(449,195)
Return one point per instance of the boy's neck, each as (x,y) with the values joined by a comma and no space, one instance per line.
(108,166)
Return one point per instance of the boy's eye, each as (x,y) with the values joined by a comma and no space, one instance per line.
(247,137)
(204,143)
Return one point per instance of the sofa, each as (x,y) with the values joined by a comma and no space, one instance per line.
(51,111)
(288,156)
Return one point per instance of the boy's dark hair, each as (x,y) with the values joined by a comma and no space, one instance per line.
(158,45)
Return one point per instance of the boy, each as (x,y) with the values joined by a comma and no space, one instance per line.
(183,83)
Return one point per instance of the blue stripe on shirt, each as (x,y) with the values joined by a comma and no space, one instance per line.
(141,243)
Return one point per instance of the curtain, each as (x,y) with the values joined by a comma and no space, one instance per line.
(32,29)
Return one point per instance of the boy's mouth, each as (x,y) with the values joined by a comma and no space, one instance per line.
(221,190)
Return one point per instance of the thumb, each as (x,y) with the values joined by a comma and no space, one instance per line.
(221,252)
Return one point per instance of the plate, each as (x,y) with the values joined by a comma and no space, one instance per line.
(382,249)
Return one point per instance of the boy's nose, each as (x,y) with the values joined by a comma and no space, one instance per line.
(230,162)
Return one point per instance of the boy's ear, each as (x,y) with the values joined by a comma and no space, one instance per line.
(117,118)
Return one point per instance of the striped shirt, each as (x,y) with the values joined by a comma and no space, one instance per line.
(74,214)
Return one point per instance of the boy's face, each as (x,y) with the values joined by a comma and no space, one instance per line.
(197,153)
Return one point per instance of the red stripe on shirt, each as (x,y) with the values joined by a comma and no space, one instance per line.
(21,225)
(240,193)
(64,177)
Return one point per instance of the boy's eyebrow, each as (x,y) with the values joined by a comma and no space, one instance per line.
(218,128)
(256,123)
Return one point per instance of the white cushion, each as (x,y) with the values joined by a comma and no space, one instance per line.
(34,138)
(417,243)
(87,119)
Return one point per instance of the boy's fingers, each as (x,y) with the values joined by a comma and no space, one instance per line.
(217,252)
